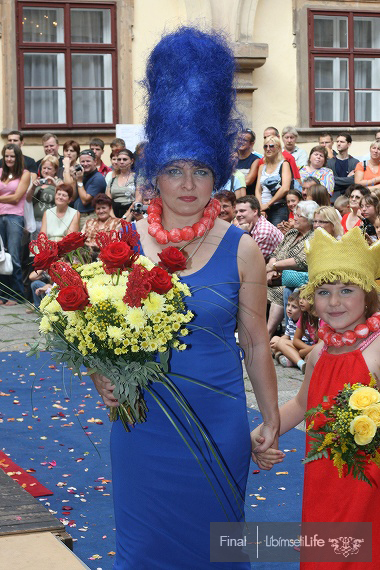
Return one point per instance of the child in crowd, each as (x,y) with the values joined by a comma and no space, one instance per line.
(306,335)
(377,226)
(283,348)
(342,205)
(343,289)
(293,198)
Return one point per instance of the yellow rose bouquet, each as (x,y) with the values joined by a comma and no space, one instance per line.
(345,429)
(119,316)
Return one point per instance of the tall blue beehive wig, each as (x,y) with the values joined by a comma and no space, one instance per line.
(191,103)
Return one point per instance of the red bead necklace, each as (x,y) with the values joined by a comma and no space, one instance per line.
(348,338)
(176,235)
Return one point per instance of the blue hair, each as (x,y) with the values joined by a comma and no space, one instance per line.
(191,103)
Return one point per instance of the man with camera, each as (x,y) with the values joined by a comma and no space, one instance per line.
(89,183)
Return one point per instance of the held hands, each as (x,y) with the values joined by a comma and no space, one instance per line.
(265,456)
(105,389)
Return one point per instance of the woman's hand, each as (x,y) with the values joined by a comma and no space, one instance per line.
(105,389)
(262,454)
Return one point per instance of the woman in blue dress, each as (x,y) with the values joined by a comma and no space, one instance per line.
(164,502)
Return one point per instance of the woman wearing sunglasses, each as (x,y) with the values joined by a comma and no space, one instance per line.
(273,182)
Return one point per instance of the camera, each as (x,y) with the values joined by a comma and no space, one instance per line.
(139,208)
(78,168)
(43,181)
(368,228)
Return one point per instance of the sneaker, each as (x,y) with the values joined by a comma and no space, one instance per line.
(285,362)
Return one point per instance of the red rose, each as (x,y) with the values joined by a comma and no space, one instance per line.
(73,298)
(44,259)
(320,420)
(75,240)
(172,259)
(116,255)
(160,280)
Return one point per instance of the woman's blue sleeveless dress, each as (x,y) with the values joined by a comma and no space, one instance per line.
(163,501)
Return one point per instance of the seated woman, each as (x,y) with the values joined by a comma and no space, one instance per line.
(327,217)
(289,254)
(355,193)
(42,192)
(318,193)
(61,220)
(104,222)
(273,182)
(316,168)
(367,173)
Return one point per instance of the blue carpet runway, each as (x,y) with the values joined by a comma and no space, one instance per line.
(57,426)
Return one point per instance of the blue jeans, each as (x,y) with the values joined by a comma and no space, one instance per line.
(11,228)
(36,298)
(277,213)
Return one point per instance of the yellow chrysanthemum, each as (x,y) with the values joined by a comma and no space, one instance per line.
(115,333)
(145,262)
(154,304)
(135,318)
(53,307)
(98,293)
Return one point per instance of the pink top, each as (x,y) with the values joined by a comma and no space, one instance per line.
(10,188)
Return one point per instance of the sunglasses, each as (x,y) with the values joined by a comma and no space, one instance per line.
(268,146)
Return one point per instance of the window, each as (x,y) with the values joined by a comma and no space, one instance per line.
(67,69)
(344,68)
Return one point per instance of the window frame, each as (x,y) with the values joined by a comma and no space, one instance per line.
(67,48)
(350,53)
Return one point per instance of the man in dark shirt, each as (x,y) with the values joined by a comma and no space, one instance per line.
(89,183)
(16,137)
(248,162)
(50,144)
(342,165)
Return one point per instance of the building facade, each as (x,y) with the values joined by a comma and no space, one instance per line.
(73,68)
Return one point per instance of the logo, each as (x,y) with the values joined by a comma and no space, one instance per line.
(346,545)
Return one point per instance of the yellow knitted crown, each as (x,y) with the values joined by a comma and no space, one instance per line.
(349,260)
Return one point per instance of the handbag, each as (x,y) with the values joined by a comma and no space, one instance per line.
(292,278)
(29,220)
(6,265)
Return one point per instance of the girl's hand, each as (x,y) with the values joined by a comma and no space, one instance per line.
(267,459)
(105,389)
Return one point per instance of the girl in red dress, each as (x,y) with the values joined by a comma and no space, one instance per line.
(342,285)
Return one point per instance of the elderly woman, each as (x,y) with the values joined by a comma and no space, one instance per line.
(188,153)
(42,191)
(355,193)
(289,254)
(367,173)
(61,220)
(104,222)
(273,182)
(327,217)
(316,167)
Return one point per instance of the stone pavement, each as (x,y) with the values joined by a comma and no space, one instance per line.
(17,329)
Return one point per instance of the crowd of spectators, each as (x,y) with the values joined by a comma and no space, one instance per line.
(279,197)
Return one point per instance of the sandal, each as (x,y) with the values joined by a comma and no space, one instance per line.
(10,303)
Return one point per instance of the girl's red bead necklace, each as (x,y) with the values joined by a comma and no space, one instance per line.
(176,235)
(348,338)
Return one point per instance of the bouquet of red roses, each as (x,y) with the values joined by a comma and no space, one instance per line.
(114,315)
(345,428)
